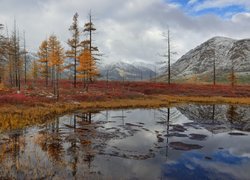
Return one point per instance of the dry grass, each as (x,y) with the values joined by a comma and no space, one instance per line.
(15,117)
(206,100)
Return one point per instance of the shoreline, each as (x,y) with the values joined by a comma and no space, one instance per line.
(21,116)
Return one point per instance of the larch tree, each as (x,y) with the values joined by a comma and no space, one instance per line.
(34,71)
(15,61)
(87,67)
(75,45)
(2,54)
(43,54)
(167,64)
(25,58)
(169,70)
(232,76)
(56,60)
(89,28)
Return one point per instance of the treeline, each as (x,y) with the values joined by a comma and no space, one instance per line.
(80,59)
(13,57)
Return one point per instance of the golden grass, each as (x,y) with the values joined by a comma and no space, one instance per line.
(206,100)
(14,117)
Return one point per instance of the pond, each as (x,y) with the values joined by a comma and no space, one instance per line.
(185,142)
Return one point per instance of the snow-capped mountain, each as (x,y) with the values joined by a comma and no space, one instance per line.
(225,51)
(127,71)
(218,118)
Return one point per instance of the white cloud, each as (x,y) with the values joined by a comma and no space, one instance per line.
(192,2)
(222,3)
(126,30)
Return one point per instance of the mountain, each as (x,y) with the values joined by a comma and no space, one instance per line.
(130,72)
(218,118)
(198,63)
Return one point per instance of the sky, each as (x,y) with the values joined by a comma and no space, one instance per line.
(131,30)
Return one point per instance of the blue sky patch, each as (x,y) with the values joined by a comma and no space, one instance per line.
(189,166)
(223,12)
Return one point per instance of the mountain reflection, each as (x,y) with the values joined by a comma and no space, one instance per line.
(134,144)
(218,118)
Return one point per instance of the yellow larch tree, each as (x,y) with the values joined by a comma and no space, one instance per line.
(87,69)
(43,54)
(34,71)
(56,60)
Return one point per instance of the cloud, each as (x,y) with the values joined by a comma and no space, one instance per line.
(190,2)
(126,30)
(221,4)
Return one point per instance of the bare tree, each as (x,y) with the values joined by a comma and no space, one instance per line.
(167,64)
(74,44)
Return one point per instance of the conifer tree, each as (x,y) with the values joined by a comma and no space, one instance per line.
(34,70)
(43,54)
(74,44)
(89,28)
(56,60)
(87,67)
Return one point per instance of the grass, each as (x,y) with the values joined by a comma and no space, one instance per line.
(12,117)
(37,105)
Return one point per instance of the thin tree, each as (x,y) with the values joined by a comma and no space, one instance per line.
(214,70)
(169,73)
(14,51)
(87,68)
(232,76)
(34,71)
(2,53)
(43,54)
(74,44)
(56,60)
(167,64)
(25,58)
(89,28)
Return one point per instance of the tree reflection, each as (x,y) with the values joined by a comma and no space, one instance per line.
(218,118)
(235,118)
(165,119)
(50,140)
(11,149)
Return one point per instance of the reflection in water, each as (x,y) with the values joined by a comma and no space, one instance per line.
(205,142)
(219,118)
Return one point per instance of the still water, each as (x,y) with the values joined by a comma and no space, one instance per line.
(186,142)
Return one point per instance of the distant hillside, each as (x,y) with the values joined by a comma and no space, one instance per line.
(197,64)
(130,72)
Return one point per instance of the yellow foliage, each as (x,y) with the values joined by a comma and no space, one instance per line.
(87,65)
(2,87)
(56,53)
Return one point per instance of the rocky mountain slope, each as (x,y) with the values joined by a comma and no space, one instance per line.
(198,62)
(130,72)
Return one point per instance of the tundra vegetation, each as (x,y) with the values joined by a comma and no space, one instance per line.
(58,80)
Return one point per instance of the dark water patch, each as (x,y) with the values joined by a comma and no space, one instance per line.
(178,128)
(199,137)
(160,139)
(176,135)
(192,124)
(134,125)
(118,117)
(184,146)
(237,134)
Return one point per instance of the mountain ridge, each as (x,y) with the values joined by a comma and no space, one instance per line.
(198,62)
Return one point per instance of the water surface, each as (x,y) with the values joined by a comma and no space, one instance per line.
(187,142)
